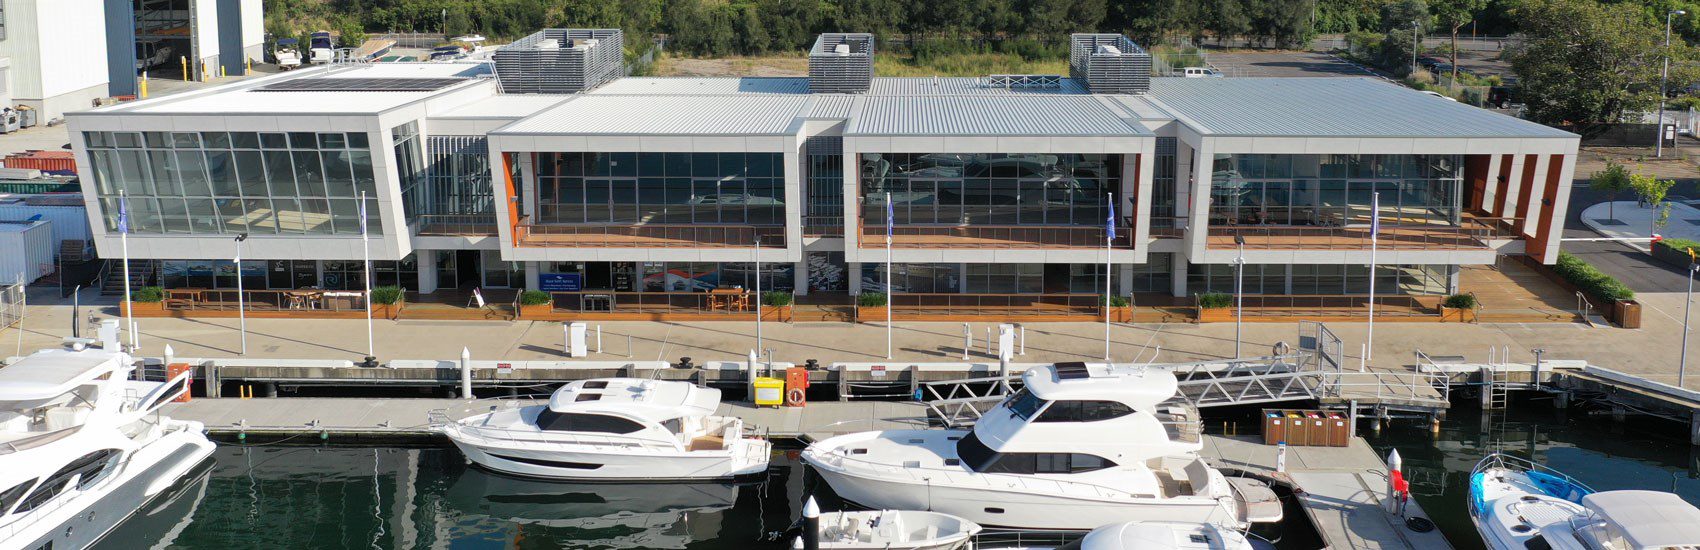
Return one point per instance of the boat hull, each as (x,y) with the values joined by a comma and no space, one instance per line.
(148,473)
(1015,507)
(577,462)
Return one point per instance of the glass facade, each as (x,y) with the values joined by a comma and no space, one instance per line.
(1321,279)
(297,183)
(1334,190)
(825,173)
(661,188)
(287,274)
(457,175)
(677,276)
(410,170)
(994,279)
(988,189)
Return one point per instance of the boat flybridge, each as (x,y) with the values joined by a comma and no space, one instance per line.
(1078,447)
(628,429)
(1517,505)
(83,446)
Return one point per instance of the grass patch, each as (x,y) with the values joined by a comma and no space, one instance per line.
(966,64)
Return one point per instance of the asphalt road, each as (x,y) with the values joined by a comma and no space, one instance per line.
(1635,268)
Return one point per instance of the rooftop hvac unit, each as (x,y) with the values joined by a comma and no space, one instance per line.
(841,63)
(560,61)
(1109,64)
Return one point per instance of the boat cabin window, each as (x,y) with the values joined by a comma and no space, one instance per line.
(580,422)
(1023,404)
(11,496)
(980,458)
(1083,411)
(88,466)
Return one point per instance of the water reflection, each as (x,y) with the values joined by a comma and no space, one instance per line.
(660,516)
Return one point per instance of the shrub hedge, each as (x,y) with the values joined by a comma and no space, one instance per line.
(386,294)
(148,294)
(1215,300)
(1674,251)
(1590,279)
(1460,301)
(777,298)
(871,299)
(535,298)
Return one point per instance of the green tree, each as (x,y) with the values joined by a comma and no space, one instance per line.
(1611,180)
(1453,15)
(1590,64)
(1652,191)
(1399,42)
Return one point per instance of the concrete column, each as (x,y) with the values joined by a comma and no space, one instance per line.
(853,279)
(1490,191)
(1451,280)
(528,185)
(1125,274)
(531,274)
(961,278)
(800,277)
(1179,266)
(427,261)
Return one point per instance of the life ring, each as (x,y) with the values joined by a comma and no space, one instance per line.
(1281,348)
(794,396)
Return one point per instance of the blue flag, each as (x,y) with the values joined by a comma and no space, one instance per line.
(890,216)
(1110,224)
(362,207)
(1375,217)
(123,215)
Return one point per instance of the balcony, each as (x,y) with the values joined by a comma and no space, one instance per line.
(994,236)
(648,236)
(454,225)
(1471,234)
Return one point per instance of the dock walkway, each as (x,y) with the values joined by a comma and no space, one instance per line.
(1341,488)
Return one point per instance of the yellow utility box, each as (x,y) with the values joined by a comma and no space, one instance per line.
(770,392)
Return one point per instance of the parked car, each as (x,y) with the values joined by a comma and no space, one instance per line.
(1201,72)
(151,54)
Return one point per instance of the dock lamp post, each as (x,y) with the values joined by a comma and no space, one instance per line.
(1664,73)
(1239,293)
(1687,304)
(1416,43)
(241,305)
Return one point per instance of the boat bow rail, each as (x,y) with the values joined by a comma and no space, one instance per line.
(1553,482)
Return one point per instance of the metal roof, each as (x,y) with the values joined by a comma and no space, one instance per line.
(831,106)
(1329,107)
(705,86)
(1042,115)
(912,86)
(596,114)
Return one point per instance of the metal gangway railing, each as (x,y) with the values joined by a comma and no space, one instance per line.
(11,304)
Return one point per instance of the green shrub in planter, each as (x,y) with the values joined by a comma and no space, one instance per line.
(386,294)
(1115,301)
(1590,279)
(777,298)
(1215,300)
(871,299)
(1460,301)
(535,298)
(148,294)
(1675,251)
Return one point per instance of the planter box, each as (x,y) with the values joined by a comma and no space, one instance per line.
(1216,315)
(143,309)
(1627,313)
(1457,315)
(388,311)
(535,312)
(780,314)
(1123,314)
(865,314)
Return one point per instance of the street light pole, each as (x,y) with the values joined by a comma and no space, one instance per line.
(1415,43)
(1664,73)
(241,305)
(1239,294)
(1687,304)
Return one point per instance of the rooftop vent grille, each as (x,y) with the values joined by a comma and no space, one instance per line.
(560,61)
(321,84)
(841,63)
(1024,81)
(1073,370)
(1109,64)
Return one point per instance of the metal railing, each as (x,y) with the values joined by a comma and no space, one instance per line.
(11,304)
(454,225)
(1168,227)
(650,236)
(1415,387)
(202,299)
(823,226)
(1517,463)
(726,303)
(1003,304)
(994,236)
(1391,237)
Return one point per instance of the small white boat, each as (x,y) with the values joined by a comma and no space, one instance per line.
(1517,505)
(894,530)
(609,429)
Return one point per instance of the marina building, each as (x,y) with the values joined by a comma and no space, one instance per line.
(545,169)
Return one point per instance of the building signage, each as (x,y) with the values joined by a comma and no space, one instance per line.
(877,371)
(504,368)
(560,282)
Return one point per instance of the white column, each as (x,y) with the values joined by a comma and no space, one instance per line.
(1537,189)
(427,262)
(1179,267)
(1125,271)
(1490,190)
(961,278)
(853,279)
(531,271)
(800,277)
(527,184)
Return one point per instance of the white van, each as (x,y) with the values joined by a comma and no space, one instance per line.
(1201,72)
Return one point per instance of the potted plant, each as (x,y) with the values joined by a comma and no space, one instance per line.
(387,301)
(1458,307)
(1121,310)
(871,307)
(1215,307)
(776,306)
(535,303)
(147,300)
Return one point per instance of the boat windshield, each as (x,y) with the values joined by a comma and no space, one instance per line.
(1024,404)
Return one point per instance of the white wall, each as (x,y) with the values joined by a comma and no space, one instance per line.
(57,48)
(205,29)
(253,23)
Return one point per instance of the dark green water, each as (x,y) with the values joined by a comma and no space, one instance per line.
(1640,453)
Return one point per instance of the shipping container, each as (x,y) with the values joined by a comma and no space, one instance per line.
(29,250)
(58,162)
(70,223)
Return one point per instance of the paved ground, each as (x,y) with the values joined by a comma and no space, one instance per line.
(1284,64)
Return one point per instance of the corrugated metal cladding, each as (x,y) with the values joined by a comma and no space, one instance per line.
(69,222)
(720,85)
(962,86)
(678,115)
(1330,107)
(989,115)
(831,106)
(30,251)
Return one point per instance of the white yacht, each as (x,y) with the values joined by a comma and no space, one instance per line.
(1517,504)
(894,530)
(83,446)
(1138,535)
(626,429)
(1078,447)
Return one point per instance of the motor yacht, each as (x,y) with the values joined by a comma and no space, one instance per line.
(626,429)
(1078,447)
(1517,504)
(83,445)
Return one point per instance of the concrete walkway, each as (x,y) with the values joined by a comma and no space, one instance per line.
(1627,220)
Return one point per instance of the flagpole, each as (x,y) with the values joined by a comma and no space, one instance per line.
(890,303)
(1374,236)
(124,244)
(366,271)
(1109,237)
(757,255)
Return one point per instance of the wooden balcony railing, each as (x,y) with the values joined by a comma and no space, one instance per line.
(649,236)
(720,301)
(994,236)
(454,225)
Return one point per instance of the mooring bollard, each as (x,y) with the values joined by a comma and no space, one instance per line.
(598,338)
(1022,330)
(1281,457)
(465,373)
(811,525)
(967,340)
